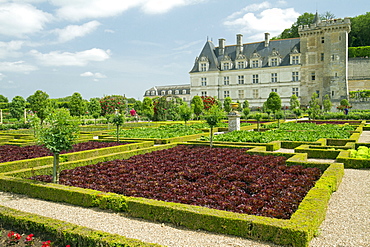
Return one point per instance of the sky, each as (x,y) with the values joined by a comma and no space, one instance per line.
(124,47)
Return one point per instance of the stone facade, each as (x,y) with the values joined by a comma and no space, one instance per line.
(180,91)
(314,63)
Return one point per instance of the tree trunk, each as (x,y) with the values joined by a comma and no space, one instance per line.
(56,168)
(211,137)
(117,133)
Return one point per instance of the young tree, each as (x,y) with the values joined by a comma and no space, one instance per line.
(198,106)
(40,104)
(59,133)
(327,103)
(246,110)
(227,102)
(17,106)
(294,102)
(94,108)
(185,112)
(273,102)
(213,116)
(279,115)
(77,106)
(117,119)
(314,110)
(148,108)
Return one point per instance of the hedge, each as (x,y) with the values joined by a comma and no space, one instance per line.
(297,231)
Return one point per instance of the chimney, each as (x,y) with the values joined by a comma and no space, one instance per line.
(221,46)
(239,45)
(267,39)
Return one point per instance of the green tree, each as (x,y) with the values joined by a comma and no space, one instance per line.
(273,102)
(327,104)
(111,104)
(117,119)
(294,102)
(258,117)
(360,31)
(292,32)
(94,108)
(213,116)
(279,115)
(40,104)
(17,106)
(148,108)
(227,102)
(3,99)
(59,133)
(166,108)
(77,105)
(185,112)
(246,110)
(327,16)
(314,107)
(198,106)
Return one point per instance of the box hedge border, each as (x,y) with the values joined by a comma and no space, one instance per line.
(297,231)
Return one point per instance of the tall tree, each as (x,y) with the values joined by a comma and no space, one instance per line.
(360,31)
(274,102)
(40,104)
(113,103)
(77,106)
(17,106)
(58,134)
(185,112)
(292,32)
(94,108)
(197,104)
(3,99)
(148,108)
(314,110)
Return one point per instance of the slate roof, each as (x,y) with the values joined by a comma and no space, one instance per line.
(283,46)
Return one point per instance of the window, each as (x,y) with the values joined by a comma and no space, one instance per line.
(241,65)
(226,94)
(176,91)
(274,62)
(254,63)
(313,76)
(163,92)
(153,93)
(203,67)
(241,94)
(295,76)
(169,91)
(147,93)
(318,93)
(240,79)
(332,93)
(203,81)
(322,56)
(255,79)
(204,93)
(273,77)
(255,93)
(184,91)
(295,59)
(274,90)
(226,66)
(322,40)
(295,91)
(226,80)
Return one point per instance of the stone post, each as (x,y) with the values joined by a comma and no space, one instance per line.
(234,118)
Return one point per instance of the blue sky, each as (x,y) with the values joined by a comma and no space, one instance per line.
(106,47)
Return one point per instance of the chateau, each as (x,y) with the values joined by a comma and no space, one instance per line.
(317,62)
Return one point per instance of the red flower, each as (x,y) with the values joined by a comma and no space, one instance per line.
(29,238)
(46,244)
(13,236)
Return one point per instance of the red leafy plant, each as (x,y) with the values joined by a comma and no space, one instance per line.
(218,178)
(11,152)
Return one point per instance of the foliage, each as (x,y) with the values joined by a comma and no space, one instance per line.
(111,104)
(294,102)
(360,30)
(17,107)
(229,179)
(40,104)
(166,108)
(94,108)
(148,108)
(273,102)
(359,94)
(314,107)
(362,152)
(208,102)
(227,102)
(118,120)
(59,133)
(292,32)
(3,99)
(213,116)
(198,105)
(360,51)
(313,126)
(77,105)
(327,103)
(185,112)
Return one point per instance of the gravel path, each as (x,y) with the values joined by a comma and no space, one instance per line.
(347,222)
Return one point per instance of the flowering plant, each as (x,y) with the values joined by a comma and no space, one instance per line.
(29,240)
(13,237)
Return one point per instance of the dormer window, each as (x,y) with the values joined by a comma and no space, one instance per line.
(241,61)
(256,60)
(226,66)
(163,92)
(169,91)
(153,93)
(203,64)
(184,91)
(275,58)
(176,91)
(255,63)
(226,63)
(295,57)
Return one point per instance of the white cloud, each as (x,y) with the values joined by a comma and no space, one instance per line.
(10,49)
(73,31)
(57,58)
(272,20)
(18,20)
(162,6)
(19,66)
(95,75)
(2,76)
